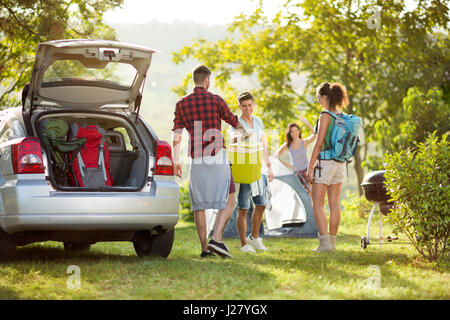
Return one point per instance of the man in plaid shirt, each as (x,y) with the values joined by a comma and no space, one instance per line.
(201,113)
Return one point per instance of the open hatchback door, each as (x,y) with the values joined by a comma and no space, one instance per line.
(88,74)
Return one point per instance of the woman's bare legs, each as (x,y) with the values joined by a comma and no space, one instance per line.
(318,201)
(334,192)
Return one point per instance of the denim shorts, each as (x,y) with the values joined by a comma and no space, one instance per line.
(245,196)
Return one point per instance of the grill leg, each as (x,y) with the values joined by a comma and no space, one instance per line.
(370,220)
(380,228)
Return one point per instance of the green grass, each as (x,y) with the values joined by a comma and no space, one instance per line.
(289,270)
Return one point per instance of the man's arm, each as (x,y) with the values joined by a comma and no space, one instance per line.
(176,143)
(239,133)
(228,116)
(177,131)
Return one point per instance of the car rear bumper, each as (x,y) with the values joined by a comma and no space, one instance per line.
(87,222)
(28,205)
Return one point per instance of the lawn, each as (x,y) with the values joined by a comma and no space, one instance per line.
(289,270)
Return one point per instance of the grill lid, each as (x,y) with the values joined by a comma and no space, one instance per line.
(375,177)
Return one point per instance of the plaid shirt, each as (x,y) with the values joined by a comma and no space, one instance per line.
(199,112)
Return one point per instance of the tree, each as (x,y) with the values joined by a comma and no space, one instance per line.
(376,49)
(26,23)
(422,113)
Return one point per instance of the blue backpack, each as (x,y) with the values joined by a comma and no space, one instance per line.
(344,138)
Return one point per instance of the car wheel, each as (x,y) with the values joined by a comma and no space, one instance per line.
(7,246)
(77,246)
(148,245)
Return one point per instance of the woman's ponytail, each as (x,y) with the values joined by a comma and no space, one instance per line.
(338,97)
(336,93)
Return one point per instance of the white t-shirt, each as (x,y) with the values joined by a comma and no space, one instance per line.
(258,129)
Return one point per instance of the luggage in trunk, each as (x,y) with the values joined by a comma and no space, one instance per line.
(93,152)
(91,164)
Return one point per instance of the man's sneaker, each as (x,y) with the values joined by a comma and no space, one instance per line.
(219,248)
(206,254)
(256,243)
(248,249)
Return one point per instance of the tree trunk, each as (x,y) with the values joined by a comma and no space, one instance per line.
(358,168)
(358,160)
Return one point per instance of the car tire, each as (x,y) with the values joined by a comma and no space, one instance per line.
(7,246)
(148,245)
(77,246)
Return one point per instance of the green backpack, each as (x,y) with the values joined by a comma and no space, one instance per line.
(63,152)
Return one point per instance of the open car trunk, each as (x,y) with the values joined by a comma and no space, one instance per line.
(93,151)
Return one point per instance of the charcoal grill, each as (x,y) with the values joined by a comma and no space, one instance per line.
(375,191)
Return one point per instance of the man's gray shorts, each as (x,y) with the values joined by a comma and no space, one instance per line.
(209,182)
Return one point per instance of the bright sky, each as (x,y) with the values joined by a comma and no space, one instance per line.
(203,11)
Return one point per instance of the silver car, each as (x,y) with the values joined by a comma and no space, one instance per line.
(87,83)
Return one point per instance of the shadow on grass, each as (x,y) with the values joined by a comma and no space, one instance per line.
(349,265)
(46,254)
(8,294)
(115,272)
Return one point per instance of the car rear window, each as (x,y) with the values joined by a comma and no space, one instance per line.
(116,73)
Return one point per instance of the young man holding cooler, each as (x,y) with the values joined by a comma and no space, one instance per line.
(255,191)
(211,184)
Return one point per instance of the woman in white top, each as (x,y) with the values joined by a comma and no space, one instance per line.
(297,151)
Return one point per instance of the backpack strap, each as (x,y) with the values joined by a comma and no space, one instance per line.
(327,145)
(101,153)
(331,113)
(81,164)
(346,165)
(318,167)
(101,159)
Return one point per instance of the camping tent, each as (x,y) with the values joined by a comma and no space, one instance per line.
(288,214)
(230,229)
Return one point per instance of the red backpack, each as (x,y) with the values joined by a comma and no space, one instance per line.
(91,165)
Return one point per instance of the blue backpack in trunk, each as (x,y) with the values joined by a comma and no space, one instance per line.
(344,138)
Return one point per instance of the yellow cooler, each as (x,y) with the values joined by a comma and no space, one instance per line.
(246,160)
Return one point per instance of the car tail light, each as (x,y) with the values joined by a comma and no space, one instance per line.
(164,163)
(26,156)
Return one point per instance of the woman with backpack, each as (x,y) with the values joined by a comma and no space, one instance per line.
(325,174)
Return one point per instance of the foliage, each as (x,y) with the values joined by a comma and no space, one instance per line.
(26,23)
(331,41)
(372,162)
(185,203)
(422,113)
(356,204)
(419,184)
